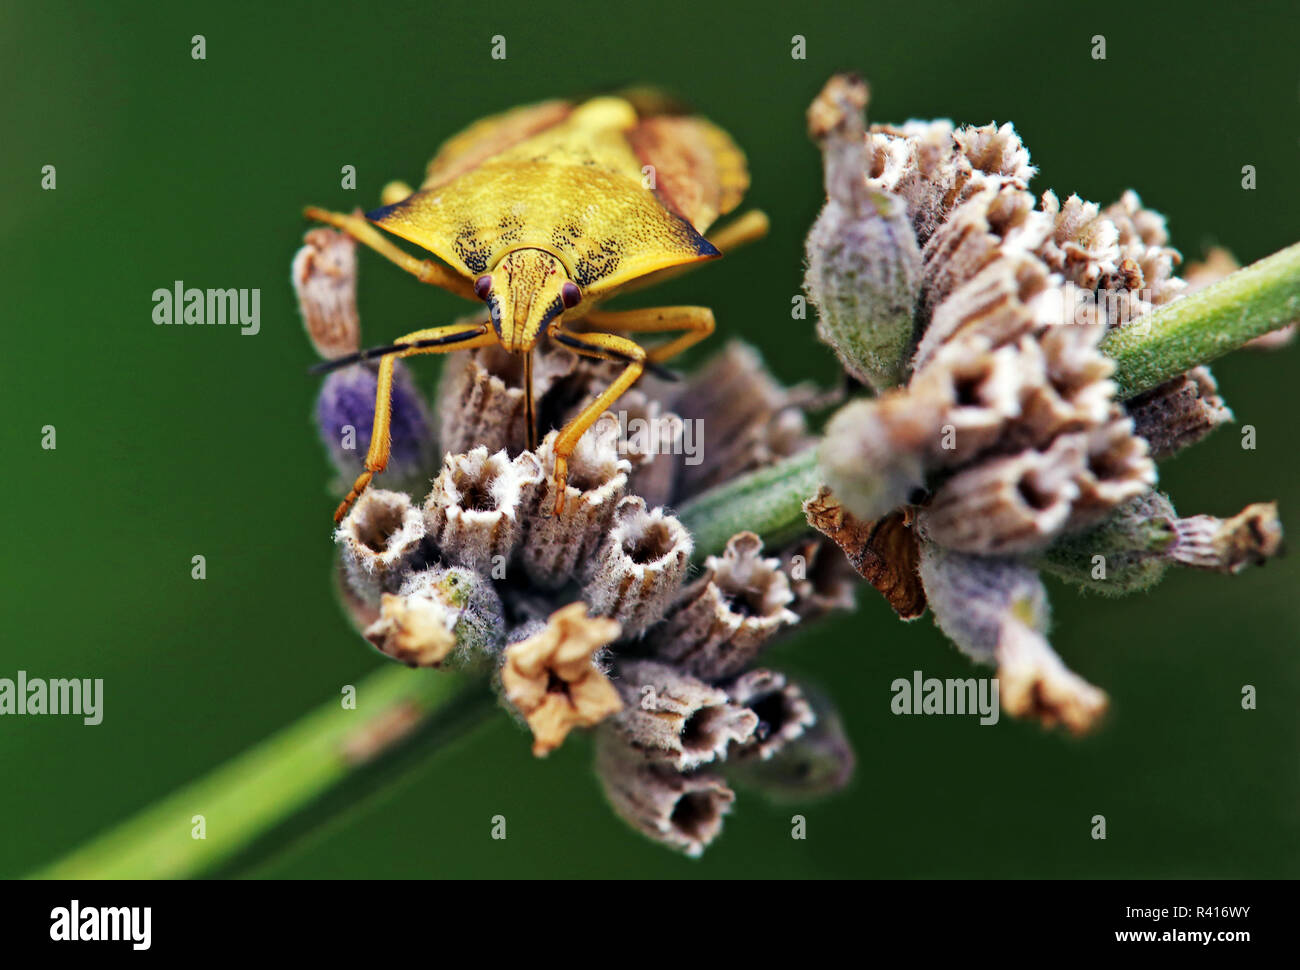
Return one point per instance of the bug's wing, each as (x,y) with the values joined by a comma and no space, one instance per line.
(605,227)
(650,101)
(574,189)
(492,136)
(700,173)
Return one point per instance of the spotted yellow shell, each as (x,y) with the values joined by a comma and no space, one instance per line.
(612,189)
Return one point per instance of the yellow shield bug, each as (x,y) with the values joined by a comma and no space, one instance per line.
(543,213)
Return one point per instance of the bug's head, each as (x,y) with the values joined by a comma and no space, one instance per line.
(524,292)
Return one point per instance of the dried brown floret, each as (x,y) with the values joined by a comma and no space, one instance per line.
(379,539)
(838,106)
(818,762)
(996,151)
(681,810)
(415,631)
(883,551)
(984,391)
(1178,413)
(1009,504)
(1250,537)
(782,712)
(1034,683)
(921,165)
(743,419)
(820,578)
(1132,548)
(325,280)
(475,508)
(1019,502)
(675,718)
(722,620)
(552,680)
(1118,468)
(1083,245)
(638,567)
(1003,301)
(1077,371)
(653,441)
(481,396)
(935,167)
(560,547)
(440,614)
(996,223)
(1143,241)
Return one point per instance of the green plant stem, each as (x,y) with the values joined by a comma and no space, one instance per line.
(768,501)
(1206,324)
(266,785)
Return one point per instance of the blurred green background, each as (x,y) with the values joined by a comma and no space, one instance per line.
(176,441)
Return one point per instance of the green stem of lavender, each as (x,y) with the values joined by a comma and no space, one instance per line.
(768,502)
(1206,324)
(272,782)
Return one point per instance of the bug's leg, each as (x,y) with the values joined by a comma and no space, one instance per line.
(426,271)
(456,336)
(395,192)
(602,346)
(697,321)
(750,227)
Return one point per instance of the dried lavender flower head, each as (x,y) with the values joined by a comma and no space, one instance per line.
(591,618)
(1003,446)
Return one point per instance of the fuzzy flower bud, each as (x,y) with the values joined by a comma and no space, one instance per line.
(345,414)
(864,266)
(325,281)
(1133,547)
(861,459)
(995,610)
(818,762)
(441,617)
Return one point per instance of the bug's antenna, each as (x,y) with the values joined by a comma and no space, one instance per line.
(325,366)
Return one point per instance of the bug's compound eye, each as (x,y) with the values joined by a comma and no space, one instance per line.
(570,295)
(482,287)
